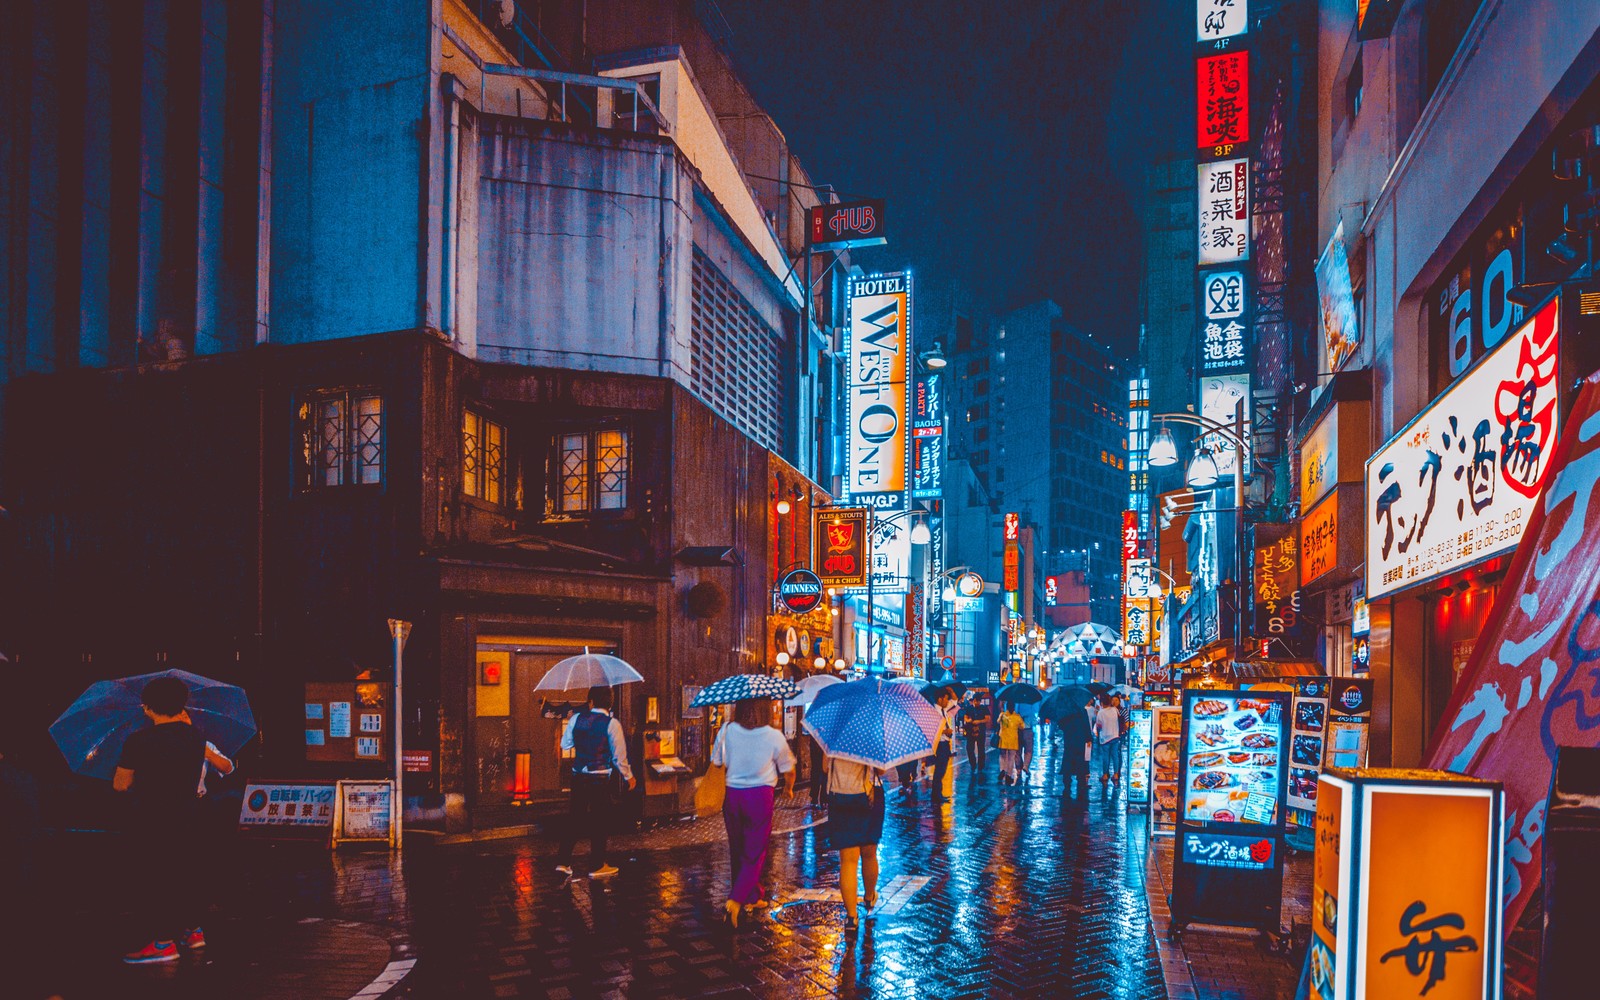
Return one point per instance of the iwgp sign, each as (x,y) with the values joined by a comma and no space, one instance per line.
(1223,85)
(1224,211)
(1530,684)
(1458,484)
(840,539)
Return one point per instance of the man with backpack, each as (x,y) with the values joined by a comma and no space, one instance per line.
(600,756)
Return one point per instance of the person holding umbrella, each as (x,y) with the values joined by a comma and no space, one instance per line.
(163,769)
(600,754)
(756,756)
(866,727)
(855,825)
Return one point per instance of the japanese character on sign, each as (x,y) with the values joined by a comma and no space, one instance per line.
(1429,955)
(1223,88)
(1219,19)
(1224,294)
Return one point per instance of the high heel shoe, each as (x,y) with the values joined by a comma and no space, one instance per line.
(730,914)
(871,903)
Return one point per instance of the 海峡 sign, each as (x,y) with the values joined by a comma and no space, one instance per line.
(839,537)
(1458,484)
(1219,19)
(1222,83)
(1224,211)
(878,352)
(845,225)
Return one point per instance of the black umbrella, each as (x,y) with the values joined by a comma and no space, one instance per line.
(931,691)
(1098,687)
(1060,701)
(1020,694)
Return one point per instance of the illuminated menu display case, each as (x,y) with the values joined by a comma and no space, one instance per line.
(1228,865)
(1140,722)
(1166,725)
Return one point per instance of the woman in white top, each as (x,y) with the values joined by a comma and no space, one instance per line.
(755,755)
(855,825)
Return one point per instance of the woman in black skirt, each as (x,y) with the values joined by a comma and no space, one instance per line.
(855,825)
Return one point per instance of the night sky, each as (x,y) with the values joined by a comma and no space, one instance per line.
(1009,137)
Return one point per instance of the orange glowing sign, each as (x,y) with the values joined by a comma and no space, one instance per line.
(840,536)
(1319,539)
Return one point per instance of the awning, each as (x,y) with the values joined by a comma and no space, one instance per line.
(1530,685)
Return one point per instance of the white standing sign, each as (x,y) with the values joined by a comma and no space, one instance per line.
(1224,211)
(1219,19)
(1459,483)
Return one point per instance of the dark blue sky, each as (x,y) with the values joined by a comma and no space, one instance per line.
(1009,136)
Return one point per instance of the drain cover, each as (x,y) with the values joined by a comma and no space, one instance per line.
(809,913)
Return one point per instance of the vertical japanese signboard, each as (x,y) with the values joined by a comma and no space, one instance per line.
(1276,581)
(878,356)
(1222,83)
(1459,483)
(1225,321)
(1221,19)
(1224,209)
(1221,397)
(1319,539)
(1011,533)
(839,535)
(927,438)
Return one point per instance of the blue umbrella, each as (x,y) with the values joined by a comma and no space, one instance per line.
(872,722)
(90,733)
(744,687)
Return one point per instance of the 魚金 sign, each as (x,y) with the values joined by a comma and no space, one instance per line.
(845,225)
(800,591)
(878,352)
(1224,211)
(1225,331)
(840,539)
(1458,484)
(1319,539)
(1222,83)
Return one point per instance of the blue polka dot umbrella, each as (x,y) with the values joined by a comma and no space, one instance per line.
(744,687)
(873,722)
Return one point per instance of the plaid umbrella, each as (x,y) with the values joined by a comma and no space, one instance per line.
(744,687)
(873,722)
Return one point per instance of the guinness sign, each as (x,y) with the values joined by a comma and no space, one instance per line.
(800,591)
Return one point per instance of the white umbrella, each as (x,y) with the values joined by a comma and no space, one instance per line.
(809,687)
(579,673)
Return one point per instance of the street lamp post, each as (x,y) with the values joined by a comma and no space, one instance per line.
(919,537)
(1202,473)
(399,631)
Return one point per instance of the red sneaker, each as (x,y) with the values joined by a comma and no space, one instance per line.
(193,938)
(155,951)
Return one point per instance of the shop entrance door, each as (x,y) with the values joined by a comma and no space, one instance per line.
(518,728)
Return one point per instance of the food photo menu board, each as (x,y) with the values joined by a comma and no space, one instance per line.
(1234,759)
(1139,733)
(1228,866)
(1166,745)
(1305,762)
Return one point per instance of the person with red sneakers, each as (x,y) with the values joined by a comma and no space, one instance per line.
(162,770)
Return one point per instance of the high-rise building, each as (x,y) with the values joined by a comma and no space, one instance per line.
(1041,409)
